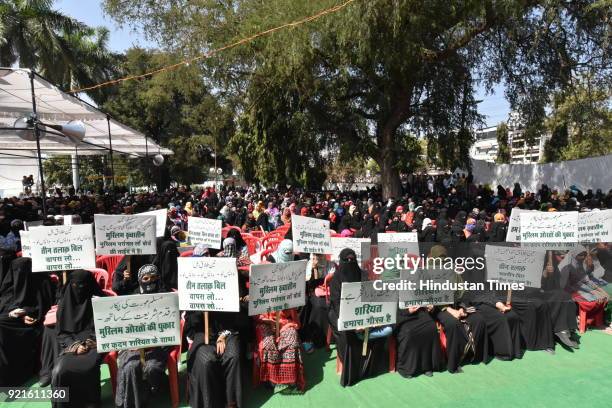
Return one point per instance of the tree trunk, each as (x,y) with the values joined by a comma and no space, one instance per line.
(390,179)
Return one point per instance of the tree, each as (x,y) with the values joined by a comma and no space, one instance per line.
(176,110)
(65,51)
(580,122)
(379,71)
(503,150)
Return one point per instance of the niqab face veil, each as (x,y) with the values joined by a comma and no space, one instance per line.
(75,313)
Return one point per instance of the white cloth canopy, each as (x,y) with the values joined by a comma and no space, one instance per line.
(57,107)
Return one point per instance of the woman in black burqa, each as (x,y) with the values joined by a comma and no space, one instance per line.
(78,364)
(25,298)
(135,386)
(349,346)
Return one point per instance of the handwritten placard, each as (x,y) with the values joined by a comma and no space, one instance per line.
(549,226)
(26,248)
(136,321)
(205,231)
(361,246)
(514,224)
(595,226)
(61,248)
(208,284)
(125,234)
(277,286)
(310,235)
(397,244)
(355,313)
(161,216)
(515,265)
(428,287)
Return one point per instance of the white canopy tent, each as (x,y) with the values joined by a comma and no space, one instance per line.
(103,134)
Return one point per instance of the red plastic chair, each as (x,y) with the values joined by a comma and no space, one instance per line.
(589,313)
(252,243)
(258,233)
(109,263)
(101,276)
(186,254)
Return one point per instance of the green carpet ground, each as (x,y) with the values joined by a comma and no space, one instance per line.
(582,378)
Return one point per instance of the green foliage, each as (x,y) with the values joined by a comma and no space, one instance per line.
(503,151)
(364,80)
(65,51)
(176,109)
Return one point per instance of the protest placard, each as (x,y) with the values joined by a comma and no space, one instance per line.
(429,287)
(26,250)
(310,235)
(205,231)
(394,245)
(161,216)
(361,246)
(136,321)
(514,224)
(277,286)
(515,265)
(28,225)
(595,226)
(62,248)
(362,306)
(537,226)
(208,284)
(125,234)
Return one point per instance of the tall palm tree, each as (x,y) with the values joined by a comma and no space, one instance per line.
(65,51)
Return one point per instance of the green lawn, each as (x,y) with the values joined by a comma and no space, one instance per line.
(582,378)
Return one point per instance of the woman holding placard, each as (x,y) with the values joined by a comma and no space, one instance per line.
(136,385)
(278,341)
(78,365)
(349,345)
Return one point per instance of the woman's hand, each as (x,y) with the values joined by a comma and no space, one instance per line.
(221,345)
(502,307)
(413,309)
(81,349)
(29,320)
(17,313)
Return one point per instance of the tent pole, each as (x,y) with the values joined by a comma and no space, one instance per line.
(147,163)
(110,145)
(75,170)
(37,134)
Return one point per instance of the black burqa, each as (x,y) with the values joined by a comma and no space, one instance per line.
(215,381)
(75,326)
(137,387)
(166,262)
(563,309)
(129,286)
(348,345)
(19,342)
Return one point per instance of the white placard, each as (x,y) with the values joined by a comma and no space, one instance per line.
(398,237)
(125,234)
(356,314)
(595,226)
(515,265)
(361,246)
(161,216)
(136,321)
(394,244)
(310,235)
(28,225)
(430,287)
(549,226)
(26,248)
(205,231)
(62,248)
(208,284)
(277,286)
(514,224)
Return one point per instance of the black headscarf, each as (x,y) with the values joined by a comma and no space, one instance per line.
(234,233)
(75,313)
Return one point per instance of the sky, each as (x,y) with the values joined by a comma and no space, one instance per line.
(494,107)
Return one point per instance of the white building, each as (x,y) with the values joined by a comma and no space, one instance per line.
(485,146)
